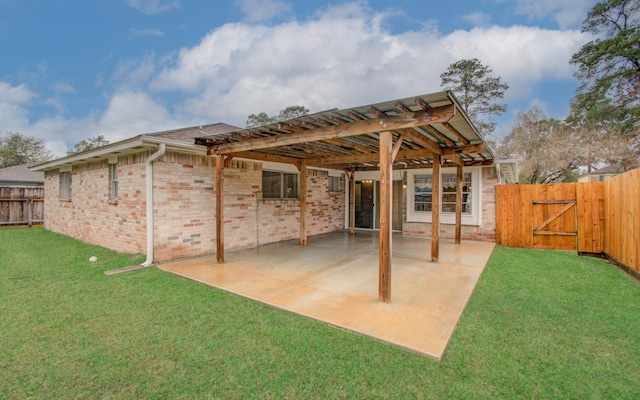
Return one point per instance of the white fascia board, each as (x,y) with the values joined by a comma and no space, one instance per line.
(85,156)
(176,145)
(126,146)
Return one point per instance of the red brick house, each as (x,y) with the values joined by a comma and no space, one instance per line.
(156,193)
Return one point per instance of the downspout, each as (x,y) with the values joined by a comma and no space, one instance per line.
(149,181)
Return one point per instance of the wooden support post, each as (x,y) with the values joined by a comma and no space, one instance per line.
(459,182)
(352,202)
(220,208)
(435,209)
(386,204)
(302,167)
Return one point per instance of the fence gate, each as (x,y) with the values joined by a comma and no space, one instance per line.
(555,224)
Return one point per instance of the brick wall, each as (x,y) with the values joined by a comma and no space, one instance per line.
(90,216)
(184,206)
(486,231)
(280,219)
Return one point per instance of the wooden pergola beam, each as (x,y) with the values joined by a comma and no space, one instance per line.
(422,140)
(439,135)
(373,157)
(348,145)
(455,159)
(396,148)
(399,164)
(375,125)
(451,129)
(258,156)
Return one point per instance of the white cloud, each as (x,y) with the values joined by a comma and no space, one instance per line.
(523,56)
(153,6)
(132,113)
(136,72)
(15,94)
(56,102)
(13,107)
(478,19)
(146,32)
(566,13)
(343,57)
(262,10)
(128,114)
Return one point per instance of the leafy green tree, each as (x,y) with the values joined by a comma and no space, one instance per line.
(606,107)
(263,118)
(609,65)
(17,149)
(477,91)
(88,144)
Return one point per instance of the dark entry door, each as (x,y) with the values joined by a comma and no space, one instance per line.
(364,204)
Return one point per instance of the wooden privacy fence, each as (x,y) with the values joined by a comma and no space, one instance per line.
(21,206)
(597,218)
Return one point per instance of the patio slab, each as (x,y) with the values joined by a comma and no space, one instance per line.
(335,280)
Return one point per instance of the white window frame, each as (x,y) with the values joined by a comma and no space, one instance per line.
(334,179)
(65,184)
(113,182)
(472,218)
(282,185)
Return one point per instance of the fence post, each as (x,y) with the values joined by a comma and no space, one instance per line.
(30,212)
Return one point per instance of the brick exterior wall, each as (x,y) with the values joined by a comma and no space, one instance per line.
(184,206)
(280,219)
(90,216)
(486,231)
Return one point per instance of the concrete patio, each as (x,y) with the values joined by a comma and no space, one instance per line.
(335,280)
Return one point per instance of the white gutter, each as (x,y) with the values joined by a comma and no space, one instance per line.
(149,178)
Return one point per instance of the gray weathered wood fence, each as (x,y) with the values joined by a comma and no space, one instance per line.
(21,206)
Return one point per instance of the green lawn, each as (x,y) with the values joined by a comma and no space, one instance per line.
(540,324)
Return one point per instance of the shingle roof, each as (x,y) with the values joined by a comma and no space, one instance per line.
(188,134)
(21,173)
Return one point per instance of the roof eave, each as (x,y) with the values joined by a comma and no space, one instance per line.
(127,146)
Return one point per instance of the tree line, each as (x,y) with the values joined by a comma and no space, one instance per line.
(602,127)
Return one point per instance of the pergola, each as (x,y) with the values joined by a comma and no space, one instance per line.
(427,131)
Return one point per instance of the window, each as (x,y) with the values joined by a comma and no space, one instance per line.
(419,192)
(113,181)
(279,185)
(422,191)
(65,185)
(334,184)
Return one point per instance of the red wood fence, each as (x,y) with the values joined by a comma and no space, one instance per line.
(598,217)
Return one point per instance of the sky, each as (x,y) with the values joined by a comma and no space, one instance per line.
(74,69)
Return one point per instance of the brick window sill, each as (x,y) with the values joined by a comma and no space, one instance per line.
(64,199)
(113,202)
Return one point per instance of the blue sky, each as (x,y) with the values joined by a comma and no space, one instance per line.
(73,69)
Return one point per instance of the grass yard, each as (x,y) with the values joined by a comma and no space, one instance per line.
(540,324)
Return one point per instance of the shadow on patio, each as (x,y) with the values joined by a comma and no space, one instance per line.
(335,280)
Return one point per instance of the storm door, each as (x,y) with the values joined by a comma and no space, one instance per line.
(367,199)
